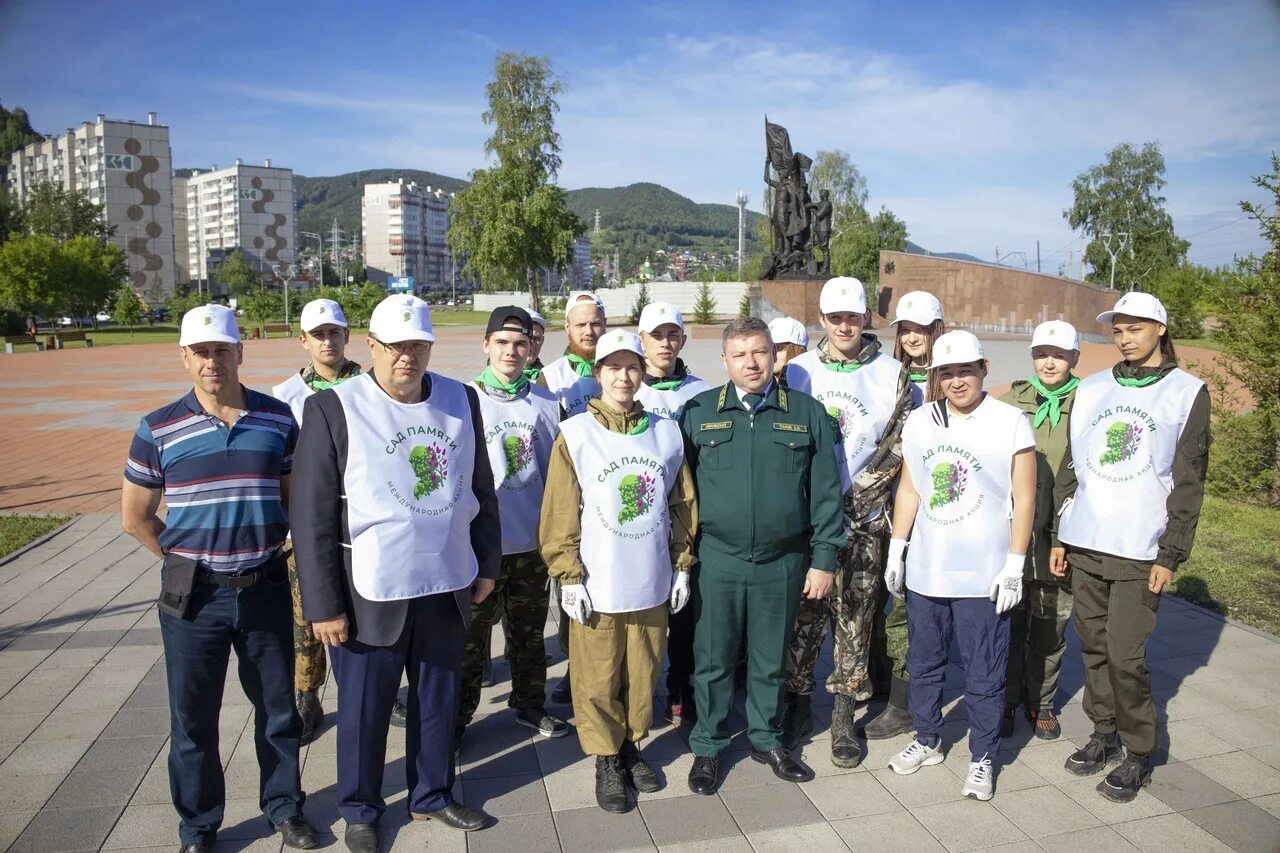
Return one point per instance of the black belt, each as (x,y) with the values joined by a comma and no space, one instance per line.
(244,580)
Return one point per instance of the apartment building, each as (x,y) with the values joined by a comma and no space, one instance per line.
(404,230)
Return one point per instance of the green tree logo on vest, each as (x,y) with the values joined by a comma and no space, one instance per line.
(519,452)
(637,491)
(949,482)
(431,466)
(1123,440)
(839,422)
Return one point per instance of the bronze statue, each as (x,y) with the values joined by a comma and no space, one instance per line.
(820,214)
(792,249)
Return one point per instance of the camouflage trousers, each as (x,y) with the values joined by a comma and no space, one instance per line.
(1037,627)
(889,636)
(519,599)
(310,666)
(850,608)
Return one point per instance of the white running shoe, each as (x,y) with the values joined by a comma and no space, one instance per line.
(978,784)
(915,756)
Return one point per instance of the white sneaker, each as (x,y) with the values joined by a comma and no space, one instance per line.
(915,756)
(978,784)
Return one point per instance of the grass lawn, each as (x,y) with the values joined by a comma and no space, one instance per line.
(1202,343)
(19,530)
(1235,566)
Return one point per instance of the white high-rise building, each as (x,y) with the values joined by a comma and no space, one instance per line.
(126,167)
(404,230)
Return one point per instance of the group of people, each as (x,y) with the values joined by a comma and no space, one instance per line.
(722,529)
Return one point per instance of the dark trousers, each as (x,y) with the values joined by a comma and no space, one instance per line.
(984,650)
(680,655)
(1114,619)
(258,623)
(735,599)
(430,650)
(1037,643)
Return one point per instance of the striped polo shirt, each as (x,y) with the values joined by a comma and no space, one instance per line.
(221,484)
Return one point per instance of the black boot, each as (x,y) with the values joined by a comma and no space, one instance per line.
(611,790)
(642,777)
(797,719)
(845,751)
(1100,751)
(312,714)
(562,694)
(895,719)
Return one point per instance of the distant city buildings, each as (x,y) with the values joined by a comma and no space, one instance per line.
(403,228)
(126,167)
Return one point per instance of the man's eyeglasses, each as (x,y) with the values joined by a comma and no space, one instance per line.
(413,349)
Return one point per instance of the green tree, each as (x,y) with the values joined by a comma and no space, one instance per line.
(744,304)
(15,132)
(238,276)
(262,306)
(1118,204)
(1182,289)
(704,307)
(31,275)
(63,214)
(856,250)
(512,221)
(182,301)
(835,172)
(642,299)
(11,222)
(91,273)
(128,308)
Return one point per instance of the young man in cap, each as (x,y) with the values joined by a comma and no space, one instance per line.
(397,534)
(221,457)
(521,420)
(769,531)
(569,377)
(668,385)
(867,396)
(324,335)
(535,366)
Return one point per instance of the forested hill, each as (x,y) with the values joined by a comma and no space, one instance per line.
(320,200)
(653,209)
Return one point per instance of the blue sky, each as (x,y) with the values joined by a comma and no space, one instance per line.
(969,120)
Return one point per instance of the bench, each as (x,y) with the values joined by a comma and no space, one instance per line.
(22,340)
(72,337)
(268,328)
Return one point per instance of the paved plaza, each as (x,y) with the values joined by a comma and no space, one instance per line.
(84,718)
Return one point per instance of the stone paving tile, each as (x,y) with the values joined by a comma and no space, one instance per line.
(525,832)
(508,796)
(1100,839)
(892,832)
(1241,773)
(1042,811)
(55,831)
(927,786)
(730,844)
(86,788)
(1183,787)
(596,829)
(813,836)
(759,809)
(1241,825)
(143,826)
(1169,833)
(11,826)
(1085,793)
(687,819)
(51,756)
(1270,803)
(852,795)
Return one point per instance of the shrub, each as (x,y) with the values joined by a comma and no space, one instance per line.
(1243,465)
(704,309)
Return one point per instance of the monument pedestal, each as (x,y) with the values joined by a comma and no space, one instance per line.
(790,297)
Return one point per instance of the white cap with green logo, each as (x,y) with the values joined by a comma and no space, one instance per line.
(618,342)
(206,324)
(401,317)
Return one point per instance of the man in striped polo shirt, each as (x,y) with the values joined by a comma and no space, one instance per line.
(220,457)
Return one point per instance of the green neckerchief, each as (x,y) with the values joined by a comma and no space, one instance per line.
(1138,383)
(533,371)
(1051,408)
(316,382)
(488,377)
(1140,377)
(918,377)
(668,383)
(581,365)
(640,427)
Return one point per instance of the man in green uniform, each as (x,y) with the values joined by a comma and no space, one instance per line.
(770,527)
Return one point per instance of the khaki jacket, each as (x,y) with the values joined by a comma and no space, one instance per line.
(1051,449)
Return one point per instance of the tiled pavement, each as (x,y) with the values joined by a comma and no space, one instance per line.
(83,720)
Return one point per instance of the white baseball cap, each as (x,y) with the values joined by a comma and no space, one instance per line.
(321,312)
(787,330)
(843,293)
(657,314)
(618,342)
(959,347)
(1135,303)
(207,324)
(538,318)
(401,317)
(577,297)
(919,307)
(1056,333)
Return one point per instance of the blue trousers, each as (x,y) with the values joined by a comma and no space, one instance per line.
(983,637)
(430,650)
(258,623)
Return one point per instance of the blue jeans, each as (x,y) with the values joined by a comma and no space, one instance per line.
(258,623)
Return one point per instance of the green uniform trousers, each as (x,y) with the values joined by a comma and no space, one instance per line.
(1037,627)
(736,599)
(1114,618)
(310,666)
(889,635)
(519,599)
(614,661)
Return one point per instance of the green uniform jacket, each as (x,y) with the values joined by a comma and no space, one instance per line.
(1051,448)
(767,481)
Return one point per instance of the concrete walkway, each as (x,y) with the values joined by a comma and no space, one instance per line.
(83,723)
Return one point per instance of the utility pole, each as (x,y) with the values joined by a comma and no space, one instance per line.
(1123,241)
(1037,256)
(319,255)
(597,220)
(742,222)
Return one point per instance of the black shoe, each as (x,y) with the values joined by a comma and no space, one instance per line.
(197,847)
(542,722)
(845,751)
(362,837)
(297,833)
(311,712)
(563,692)
(1123,783)
(704,775)
(797,719)
(454,816)
(1100,751)
(399,714)
(784,766)
(642,777)
(1044,724)
(1007,721)
(895,719)
(611,790)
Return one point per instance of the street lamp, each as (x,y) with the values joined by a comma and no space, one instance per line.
(285,272)
(319,255)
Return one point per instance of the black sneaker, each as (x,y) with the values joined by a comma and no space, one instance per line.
(1100,751)
(642,777)
(611,790)
(1123,783)
(542,722)
(562,694)
(1006,722)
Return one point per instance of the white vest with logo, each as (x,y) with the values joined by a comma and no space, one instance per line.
(860,403)
(626,530)
(963,474)
(1123,441)
(573,391)
(408,489)
(518,435)
(294,392)
(667,404)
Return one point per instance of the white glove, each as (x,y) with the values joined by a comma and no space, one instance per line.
(895,569)
(679,591)
(576,602)
(1006,587)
